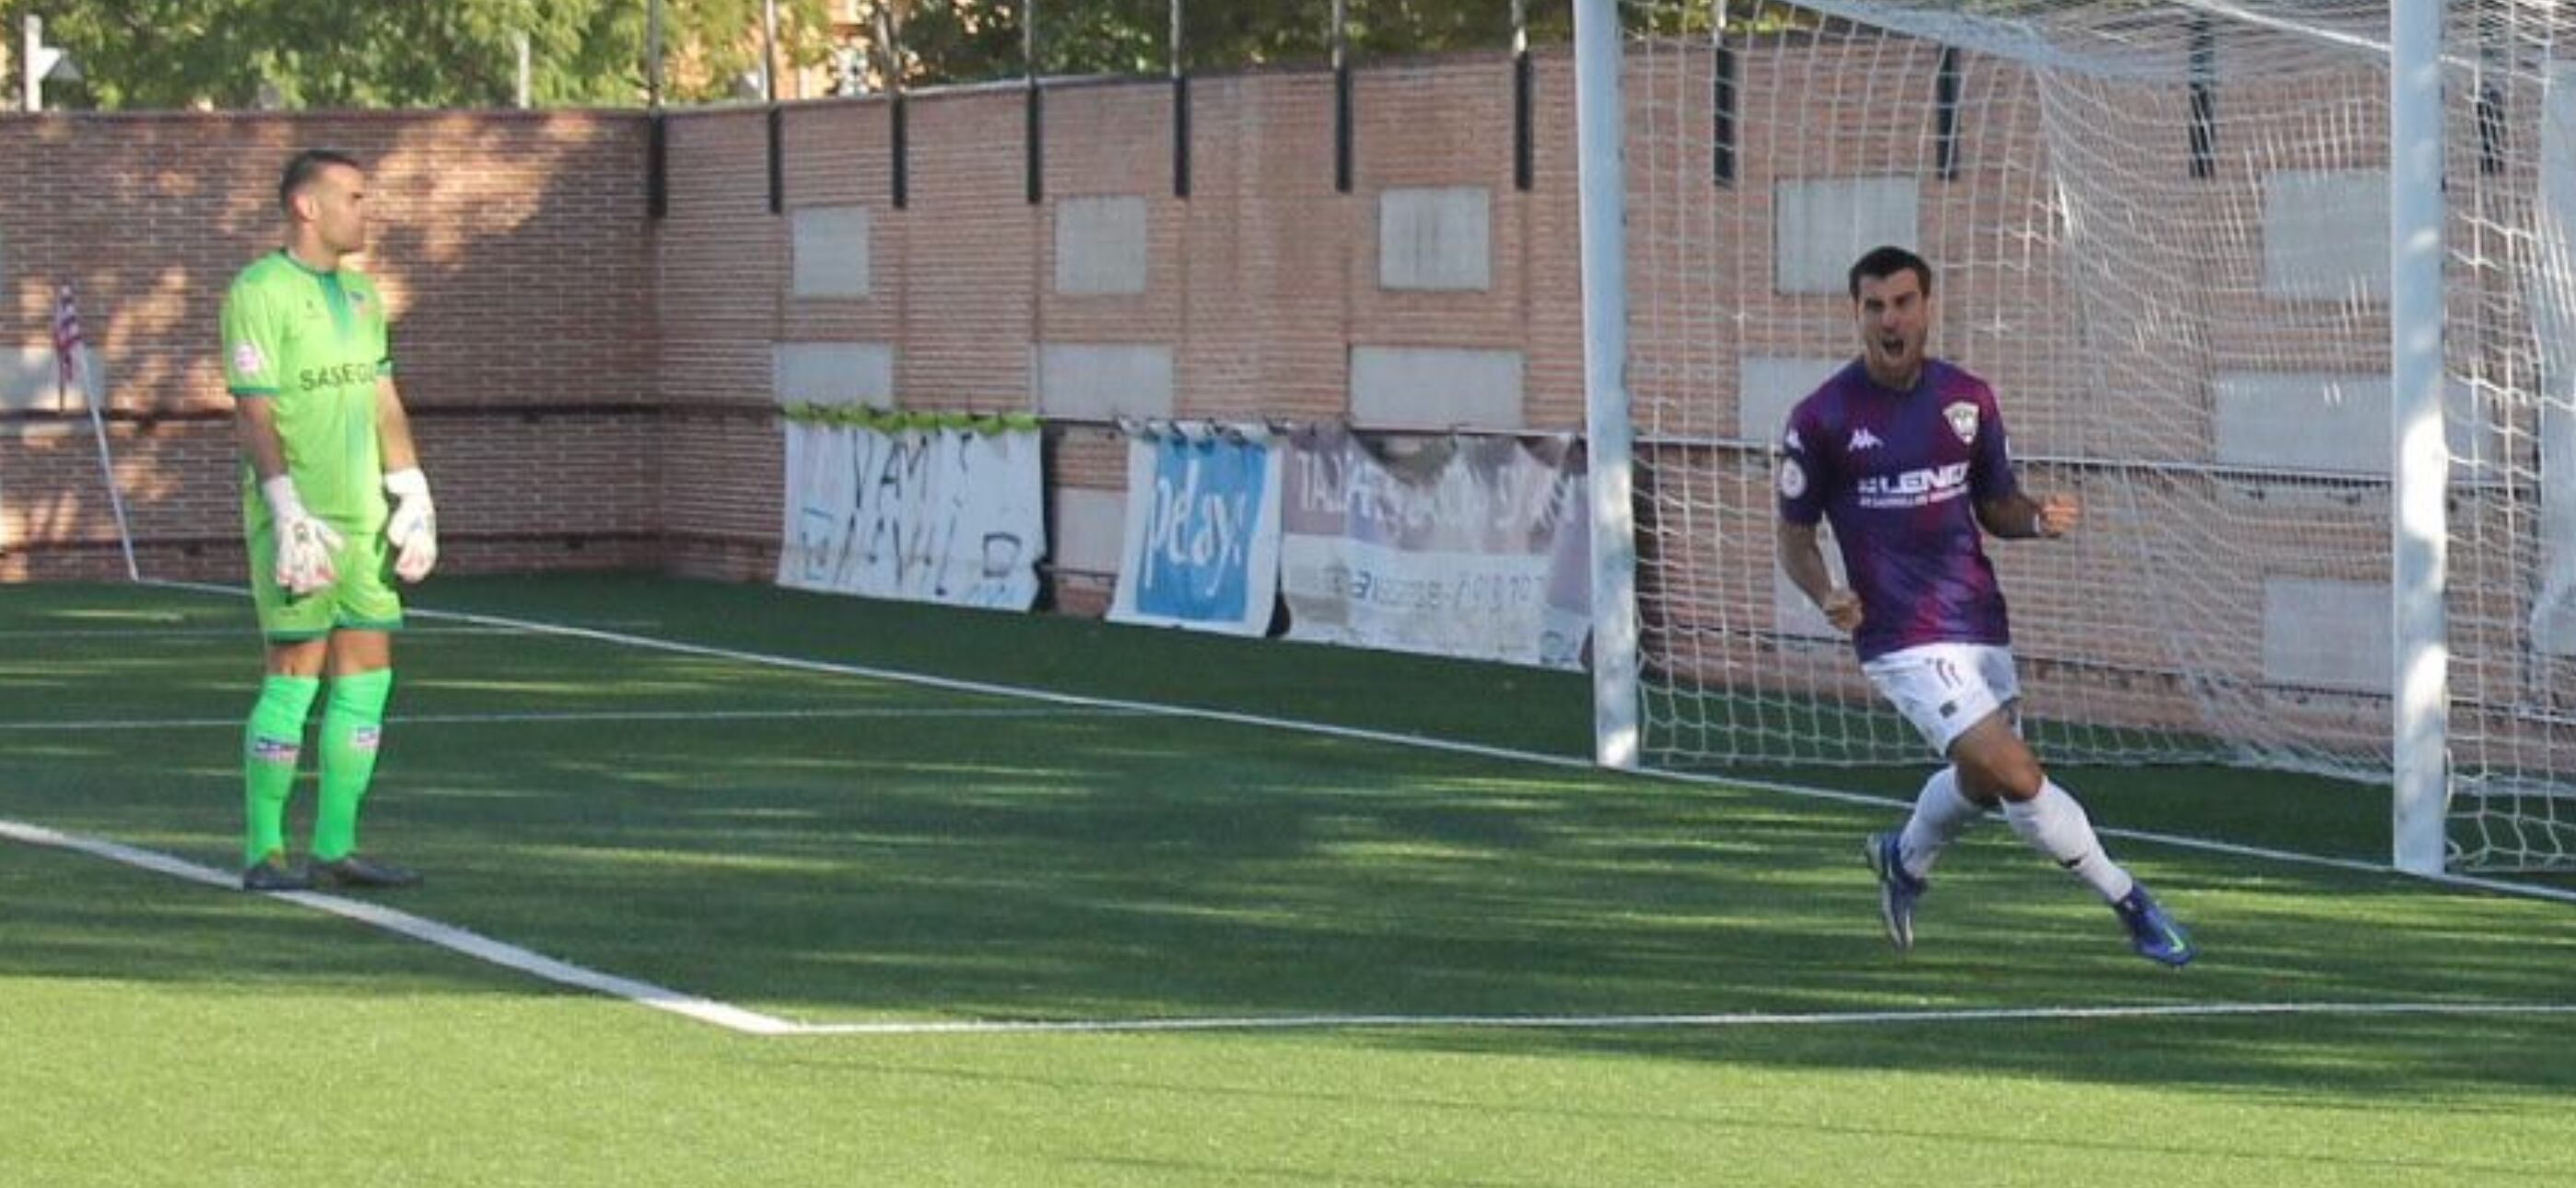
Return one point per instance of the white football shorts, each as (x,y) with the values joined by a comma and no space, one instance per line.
(1945,688)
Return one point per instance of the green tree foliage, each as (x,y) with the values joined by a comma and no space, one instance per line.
(402,53)
(965,40)
(462,53)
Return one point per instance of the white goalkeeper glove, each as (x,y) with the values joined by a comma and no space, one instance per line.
(305,545)
(413,530)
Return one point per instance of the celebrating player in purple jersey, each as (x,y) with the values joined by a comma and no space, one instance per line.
(1905,456)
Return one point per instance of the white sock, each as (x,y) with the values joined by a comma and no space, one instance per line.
(1941,814)
(2055,825)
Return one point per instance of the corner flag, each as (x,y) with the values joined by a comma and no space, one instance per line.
(67,338)
(68,372)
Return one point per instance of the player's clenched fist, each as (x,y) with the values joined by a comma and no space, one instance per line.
(1842,609)
(2058,514)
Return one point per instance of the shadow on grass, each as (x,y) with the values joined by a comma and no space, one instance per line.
(940,866)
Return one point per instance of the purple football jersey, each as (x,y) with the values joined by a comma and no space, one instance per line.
(1900,474)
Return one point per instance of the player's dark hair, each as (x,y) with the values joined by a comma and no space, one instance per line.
(303,167)
(1888,261)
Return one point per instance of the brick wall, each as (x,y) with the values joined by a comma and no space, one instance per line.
(512,252)
(584,375)
(592,387)
(1260,281)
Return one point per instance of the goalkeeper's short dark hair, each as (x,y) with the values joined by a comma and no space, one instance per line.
(1888,261)
(303,167)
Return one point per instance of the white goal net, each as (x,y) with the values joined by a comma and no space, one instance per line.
(2160,229)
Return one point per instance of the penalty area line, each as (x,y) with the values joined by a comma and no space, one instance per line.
(420,928)
(541,717)
(1417,742)
(747,1022)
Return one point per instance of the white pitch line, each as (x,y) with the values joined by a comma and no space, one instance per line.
(542,716)
(737,1019)
(1448,746)
(748,1022)
(445,936)
(247,635)
(1655,1022)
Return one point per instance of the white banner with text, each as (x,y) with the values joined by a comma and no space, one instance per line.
(1477,547)
(924,509)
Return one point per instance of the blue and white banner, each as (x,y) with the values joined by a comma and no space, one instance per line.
(942,512)
(1202,540)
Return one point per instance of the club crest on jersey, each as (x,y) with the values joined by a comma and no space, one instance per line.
(1963,421)
(1793,478)
(247,359)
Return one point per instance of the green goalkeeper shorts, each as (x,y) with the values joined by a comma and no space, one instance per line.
(363,599)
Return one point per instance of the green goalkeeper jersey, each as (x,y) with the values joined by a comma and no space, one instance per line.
(314,343)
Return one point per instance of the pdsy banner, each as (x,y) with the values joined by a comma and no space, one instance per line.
(1476,547)
(916,507)
(1202,541)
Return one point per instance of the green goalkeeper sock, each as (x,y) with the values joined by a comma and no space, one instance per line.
(353,721)
(270,744)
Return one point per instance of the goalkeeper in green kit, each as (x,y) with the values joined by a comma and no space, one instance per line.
(335,507)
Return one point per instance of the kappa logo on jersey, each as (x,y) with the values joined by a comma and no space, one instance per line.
(1863,439)
(1792,444)
(1963,421)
